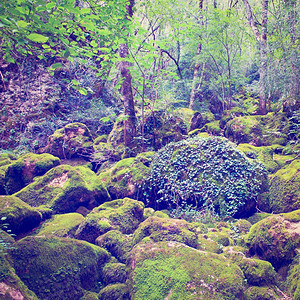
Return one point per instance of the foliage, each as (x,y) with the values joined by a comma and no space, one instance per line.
(207,173)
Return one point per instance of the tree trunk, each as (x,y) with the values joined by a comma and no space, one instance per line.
(126,91)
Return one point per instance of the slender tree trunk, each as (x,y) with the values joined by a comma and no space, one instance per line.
(126,91)
(262,40)
(197,65)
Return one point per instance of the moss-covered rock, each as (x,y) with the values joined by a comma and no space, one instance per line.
(258,130)
(18,215)
(262,293)
(64,189)
(117,243)
(231,114)
(275,239)
(264,154)
(123,214)
(118,291)
(284,195)
(198,120)
(56,267)
(125,178)
(222,237)
(22,171)
(258,272)
(171,270)
(161,229)
(5,160)
(71,141)
(258,217)
(205,172)
(61,225)
(212,128)
(114,273)
(293,278)
(207,244)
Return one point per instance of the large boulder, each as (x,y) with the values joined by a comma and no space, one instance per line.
(122,214)
(71,141)
(259,130)
(18,216)
(284,194)
(22,171)
(64,189)
(58,268)
(125,178)
(206,172)
(171,270)
(275,238)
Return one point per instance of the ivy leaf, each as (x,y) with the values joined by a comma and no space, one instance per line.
(83,91)
(38,38)
(22,24)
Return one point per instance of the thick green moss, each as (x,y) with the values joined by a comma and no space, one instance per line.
(114,273)
(222,237)
(64,189)
(262,293)
(212,128)
(56,267)
(258,217)
(117,291)
(19,216)
(61,225)
(116,243)
(274,239)
(122,214)
(284,195)
(293,279)
(126,177)
(161,229)
(22,171)
(171,270)
(207,244)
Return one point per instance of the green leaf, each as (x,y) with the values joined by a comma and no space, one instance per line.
(38,38)
(83,91)
(55,66)
(22,24)
(93,44)
(75,82)
(3,218)
(50,5)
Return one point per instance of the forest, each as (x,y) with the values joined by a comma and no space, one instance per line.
(149,149)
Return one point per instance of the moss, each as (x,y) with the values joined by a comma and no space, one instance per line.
(230,114)
(148,212)
(212,128)
(262,293)
(284,192)
(283,160)
(243,226)
(198,132)
(64,189)
(293,279)
(161,214)
(258,217)
(61,225)
(160,229)
(114,273)
(116,243)
(221,237)
(274,239)
(89,296)
(122,214)
(100,139)
(117,291)
(172,270)
(208,245)
(258,272)
(19,216)
(22,171)
(2,179)
(293,216)
(55,267)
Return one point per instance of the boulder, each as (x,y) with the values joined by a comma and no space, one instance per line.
(293,278)
(275,238)
(122,214)
(114,273)
(126,177)
(166,270)
(116,291)
(22,171)
(160,229)
(284,194)
(17,216)
(206,172)
(263,293)
(74,140)
(56,268)
(64,189)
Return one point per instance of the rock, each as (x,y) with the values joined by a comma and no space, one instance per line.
(64,189)
(117,243)
(231,114)
(22,171)
(258,130)
(208,172)
(126,177)
(264,154)
(262,293)
(74,140)
(18,215)
(56,267)
(114,273)
(160,229)
(116,291)
(284,195)
(61,225)
(293,278)
(123,214)
(275,238)
(212,128)
(170,269)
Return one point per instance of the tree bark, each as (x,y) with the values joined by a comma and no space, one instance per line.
(262,41)
(126,91)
